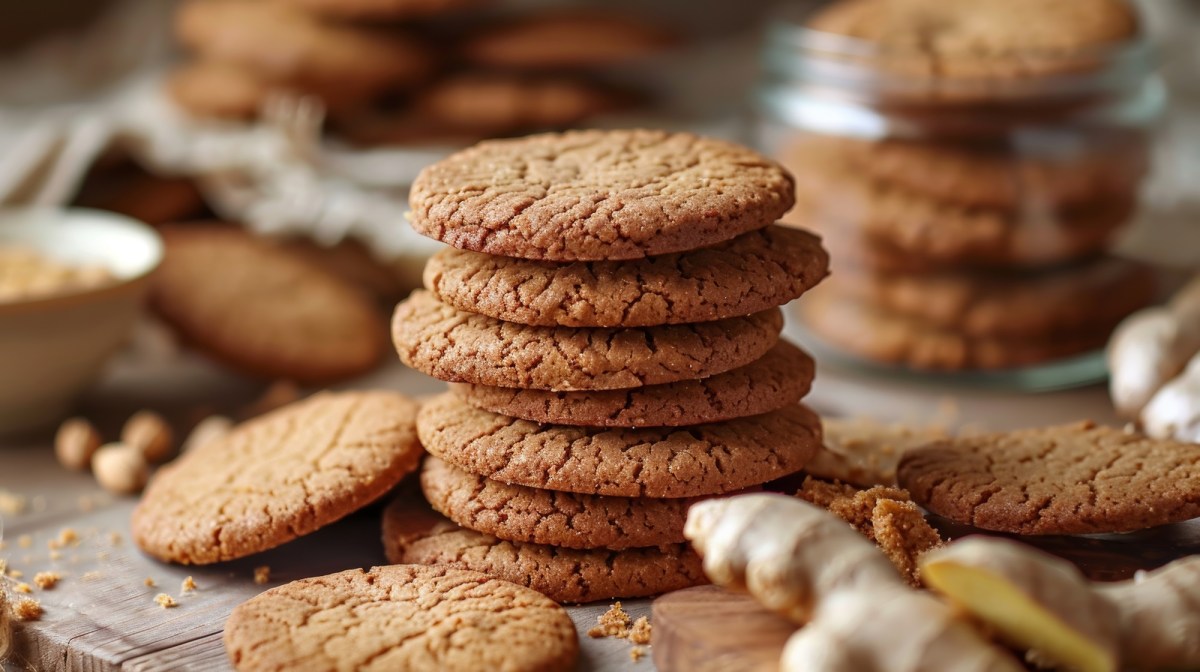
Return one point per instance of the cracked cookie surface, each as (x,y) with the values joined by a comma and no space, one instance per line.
(414,534)
(595,195)
(530,515)
(751,273)
(402,617)
(245,315)
(461,347)
(278,477)
(1067,479)
(654,462)
(778,379)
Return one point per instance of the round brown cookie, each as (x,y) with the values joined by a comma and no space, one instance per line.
(864,452)
(403,617)
(462,347)
(661,462)
(570,520)
(564,40)
(133,192)
(354,262)
(1010,305)
(265,310)
(278,477)
(1068,479)
(1001,176)
(414,534)
(780,378)
(753,272)
(833,197)
(219,90)
(981,39)
(383,10)
(596,195)
(488,104)
(883,336)
(335,61)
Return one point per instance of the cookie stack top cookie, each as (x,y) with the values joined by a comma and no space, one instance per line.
(608,316)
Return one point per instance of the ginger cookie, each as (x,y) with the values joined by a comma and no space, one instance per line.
(332,60)
(277,477)
(383,10)
(462,347)
(833,197)
(659,462)
(998,176)
(980,39)
(1010,305)
(529,515)
(1078,478)
(877,334)
(131,191)
(238,298)
(864,452)
(414,534)
(751,273)
(779,379)
(403,617)
(564,40)
(489,104)
(596,195)
(220,90)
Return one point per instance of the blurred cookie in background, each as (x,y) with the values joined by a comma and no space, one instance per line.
(565,39)
(127,189)
(384,10)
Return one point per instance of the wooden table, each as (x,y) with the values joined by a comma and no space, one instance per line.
(103,617)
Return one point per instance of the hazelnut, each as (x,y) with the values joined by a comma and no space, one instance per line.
(75,443)
(120,469)
(206,431)
(149,433)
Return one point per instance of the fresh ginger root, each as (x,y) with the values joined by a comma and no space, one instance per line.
(1045,605)
(802,561)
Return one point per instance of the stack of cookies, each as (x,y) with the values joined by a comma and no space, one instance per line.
(608,318)
(974,236)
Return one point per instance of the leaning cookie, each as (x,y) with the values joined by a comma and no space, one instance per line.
(414,534)
(403,617)
(534,516)
(462,347)
(754,272)
(651,462)
(598,195)
(777,380)
(1068,479)
(278,477)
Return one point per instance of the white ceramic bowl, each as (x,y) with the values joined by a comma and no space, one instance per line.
(52,348)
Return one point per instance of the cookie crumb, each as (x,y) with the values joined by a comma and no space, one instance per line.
(66,537)
(47,580)
(12,503)
(188,586)
(165,601)
(640,632)
(25,541)
(612,623)
(27,609)
(149,583)
(262,574)
(637,653)
(23,588)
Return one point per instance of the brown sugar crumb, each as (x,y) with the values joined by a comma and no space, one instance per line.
(25,541)
(46,580)
(149,582)
(883,514)
(262,574)
(27,609)
(637,653)
(165,601)
(640,632)
(188,586)
(23,588)
(12,503)
(612,623)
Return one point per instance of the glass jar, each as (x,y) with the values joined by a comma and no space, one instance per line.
(970,207)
